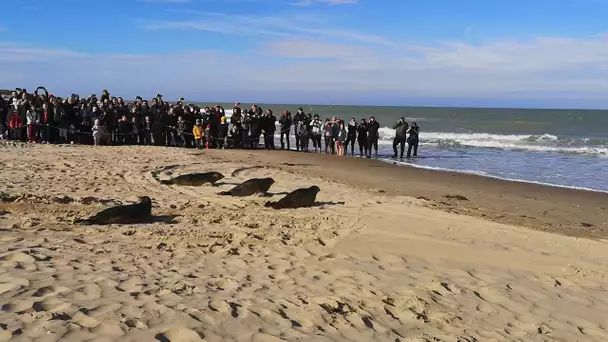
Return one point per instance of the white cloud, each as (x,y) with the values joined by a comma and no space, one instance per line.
(264,25)
(304,67)
(306,48)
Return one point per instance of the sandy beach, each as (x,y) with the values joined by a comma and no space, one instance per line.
(389,253)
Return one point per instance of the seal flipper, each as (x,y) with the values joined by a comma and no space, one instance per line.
(270,204)
(224,193)
(166,182)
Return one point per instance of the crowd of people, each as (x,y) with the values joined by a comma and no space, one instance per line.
(40,117)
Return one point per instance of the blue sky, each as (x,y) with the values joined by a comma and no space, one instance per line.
(535,53)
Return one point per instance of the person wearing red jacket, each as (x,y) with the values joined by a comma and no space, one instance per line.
(16,125)
(46,121)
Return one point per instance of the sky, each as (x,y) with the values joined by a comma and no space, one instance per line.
(496,53)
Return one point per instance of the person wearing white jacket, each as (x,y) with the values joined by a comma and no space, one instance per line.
(97,133)
(32,119)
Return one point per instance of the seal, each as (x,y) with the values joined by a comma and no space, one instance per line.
(250,187)
(123,214)
(300,198)
(195,179)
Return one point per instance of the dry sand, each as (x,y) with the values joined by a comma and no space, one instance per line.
(368,263)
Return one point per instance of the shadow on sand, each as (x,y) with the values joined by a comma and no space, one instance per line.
(225,183)
(168,219)
(329,204)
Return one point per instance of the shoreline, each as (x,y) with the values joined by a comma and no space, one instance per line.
(476,173)
(555,209)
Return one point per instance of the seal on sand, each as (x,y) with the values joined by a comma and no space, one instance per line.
(250,187)
(122,214)
(194,179)
(301,198)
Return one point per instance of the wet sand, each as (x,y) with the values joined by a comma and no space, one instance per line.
(553,209)
(370,261)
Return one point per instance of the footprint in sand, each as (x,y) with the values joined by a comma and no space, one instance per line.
(84,320)
(52,304)
(6,287)
(179,335)
(18,305)
(130,285)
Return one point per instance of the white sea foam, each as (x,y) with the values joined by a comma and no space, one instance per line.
(485,174)
(538,143)
(522,142)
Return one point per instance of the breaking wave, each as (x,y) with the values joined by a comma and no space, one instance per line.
(539,143)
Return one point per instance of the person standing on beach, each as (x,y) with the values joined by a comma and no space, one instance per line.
(47,122)
(124,131)
(299,116)
(97,132)
(316,132)
(179,131)
(401,128)
(269,126)
(328,133)
(372,137)
(362,138)
(341,139)
(308,130)
(222,133)
(3,114)
(335,132)
(285,122)
(197,132)
(236,112)
(351,137)
(302,134)
(32,121)
(412,140)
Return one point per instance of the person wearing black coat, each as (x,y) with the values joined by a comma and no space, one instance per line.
(245,129)
(413,140)
(3,116)
(84,136)
(255,128)
(124,131)
(351,136)
(222,133)
(372,137)
(401,128)
(285,122)
(362,138)
(64,123)
(269,129)
(299,116)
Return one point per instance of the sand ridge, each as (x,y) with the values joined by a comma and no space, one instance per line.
(360,266)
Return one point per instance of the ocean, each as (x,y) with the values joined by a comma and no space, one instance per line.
(566,148)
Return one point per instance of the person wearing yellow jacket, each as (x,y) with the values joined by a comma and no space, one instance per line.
(198,133)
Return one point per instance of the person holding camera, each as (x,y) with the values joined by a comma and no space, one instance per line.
(372,137)
(401,128)
(413,139)
(297,118)
(351,137)
(285,122)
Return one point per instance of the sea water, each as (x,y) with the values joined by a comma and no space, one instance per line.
(566,148)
